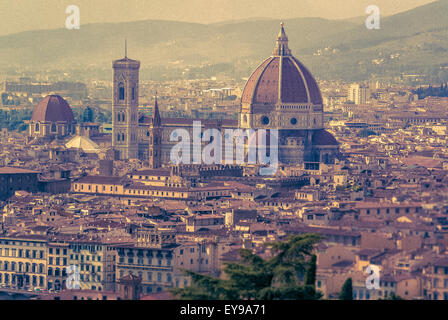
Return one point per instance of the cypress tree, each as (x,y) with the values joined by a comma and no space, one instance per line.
(347,290)
(277,278)
(310,276)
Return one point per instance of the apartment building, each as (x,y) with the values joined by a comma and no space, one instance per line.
(23,263)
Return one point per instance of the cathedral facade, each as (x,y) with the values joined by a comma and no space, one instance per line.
(280,94)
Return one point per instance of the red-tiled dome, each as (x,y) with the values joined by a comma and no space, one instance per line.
(53,108)
(324,138)
(297,85)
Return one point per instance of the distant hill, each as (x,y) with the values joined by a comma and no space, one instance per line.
(411,42)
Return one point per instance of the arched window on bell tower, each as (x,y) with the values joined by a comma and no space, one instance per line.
(121,91)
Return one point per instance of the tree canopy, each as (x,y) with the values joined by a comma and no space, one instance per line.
(288,275)
(347,290)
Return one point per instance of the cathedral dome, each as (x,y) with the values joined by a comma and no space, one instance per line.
(281,79)
(324,138)
(53,108)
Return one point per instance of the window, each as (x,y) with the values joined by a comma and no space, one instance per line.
(265,120)
(121,91)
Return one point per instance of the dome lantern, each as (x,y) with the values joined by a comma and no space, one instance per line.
(281,47)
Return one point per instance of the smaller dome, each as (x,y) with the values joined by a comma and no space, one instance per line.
(83,143)
(324,138)
(53,108)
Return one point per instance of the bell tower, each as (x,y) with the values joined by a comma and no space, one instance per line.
(155,138)
(124,107)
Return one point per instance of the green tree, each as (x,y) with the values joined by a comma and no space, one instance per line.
(365,133)
(278,278)
(88,114)
(310,276)
(4,98)
(347,290)
(393,296)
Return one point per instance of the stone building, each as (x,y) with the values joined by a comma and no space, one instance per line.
(124,107)
(14,179)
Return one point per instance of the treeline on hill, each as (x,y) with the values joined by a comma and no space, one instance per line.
(431,91)
(14,119)
(89,114)
(8,101)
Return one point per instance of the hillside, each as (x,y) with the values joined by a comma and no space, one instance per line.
(411,42)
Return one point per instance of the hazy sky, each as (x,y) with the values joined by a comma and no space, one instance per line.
(22,15)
